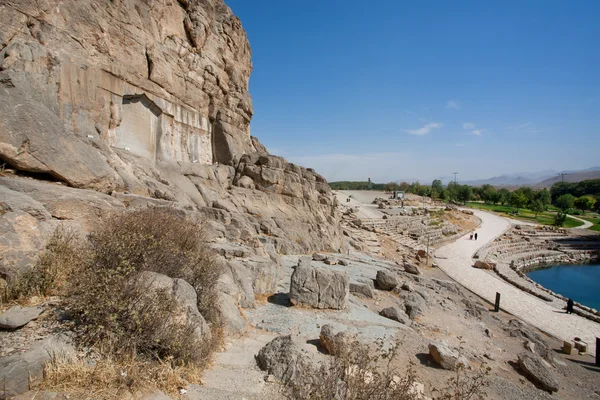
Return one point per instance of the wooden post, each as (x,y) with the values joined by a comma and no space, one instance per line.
(597,351)
(497,305)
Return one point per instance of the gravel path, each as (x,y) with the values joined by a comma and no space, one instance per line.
(455,259)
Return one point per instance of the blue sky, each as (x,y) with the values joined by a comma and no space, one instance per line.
(395,89)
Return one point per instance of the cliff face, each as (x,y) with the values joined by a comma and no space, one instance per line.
(107,105)
(166,80)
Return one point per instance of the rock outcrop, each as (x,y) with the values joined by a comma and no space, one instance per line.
(386,280)
(538,371)
(446,356)
(319,288)
(283,357)
(17,316)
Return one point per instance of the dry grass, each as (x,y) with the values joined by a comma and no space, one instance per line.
(116,378)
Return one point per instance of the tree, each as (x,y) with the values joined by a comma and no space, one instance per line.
(537,207)
(560,218)
(391,187)
(504,196)
(437,186)
(518,200)
(465,193)
(544,197)
(585,203)
(565,202)
(488,193)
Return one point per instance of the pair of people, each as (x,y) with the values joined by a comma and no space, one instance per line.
(473,235)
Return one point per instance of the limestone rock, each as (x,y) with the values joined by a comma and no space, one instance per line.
(516,328)
(334,342)
(283,357)
(396,314)
(331,261)
(304,261)
(319,257)
(411,269)
(16,317)
(538,371)
(21,372)
(414,305)
(386,280)
(185,296)
(362,289)
(446,356)
(319,288)
(482,265)
(343,262)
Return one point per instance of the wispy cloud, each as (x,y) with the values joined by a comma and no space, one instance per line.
(425,129)
(526,127)
(469,125)
(453,104)
(476,132)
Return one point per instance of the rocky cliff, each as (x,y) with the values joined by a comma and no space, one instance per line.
(107,105)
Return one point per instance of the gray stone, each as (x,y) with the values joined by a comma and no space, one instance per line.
(318,257)
(411,269)
(16,317)
(521,330)
(408,286)
(331,261)
(319,288)
(386,280)
(343,262)
(362,289)
(334,342)
(414,305)
(482,265)
(11,200)
(304,261)
(396,314)
(283,357)
(24,371)
(445,356)
(538,371)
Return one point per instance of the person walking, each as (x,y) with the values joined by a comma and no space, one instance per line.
(570,304)
(471,237)
(475,235)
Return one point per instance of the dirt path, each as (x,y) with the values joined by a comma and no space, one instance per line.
(455,259)
(586,224)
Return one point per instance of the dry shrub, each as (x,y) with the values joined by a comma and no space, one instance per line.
(114,311)
(49,275)
(356,373)
(361,373)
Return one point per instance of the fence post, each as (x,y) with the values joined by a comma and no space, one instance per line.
(497,305)
(597,351)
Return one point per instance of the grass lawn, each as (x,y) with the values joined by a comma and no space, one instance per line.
(545,218)
(594,219)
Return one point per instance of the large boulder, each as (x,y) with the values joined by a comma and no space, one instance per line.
(362,289)
(411,268)
(319,288)
(414,305)
(283,357)
(24,371)
(184,295)
(520,330)
(396,314)
(538,371)
(446,356)
(386,280)
(17,316)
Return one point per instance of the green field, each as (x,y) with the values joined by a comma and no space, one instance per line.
(594,219)
(545,218)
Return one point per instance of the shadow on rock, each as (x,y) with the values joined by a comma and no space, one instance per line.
(280,299)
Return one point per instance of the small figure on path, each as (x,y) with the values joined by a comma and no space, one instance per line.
(570,305)
(471,237)
(475,235)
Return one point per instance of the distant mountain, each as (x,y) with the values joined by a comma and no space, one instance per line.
(516,179)
(573,176)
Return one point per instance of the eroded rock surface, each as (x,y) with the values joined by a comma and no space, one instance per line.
(319,288)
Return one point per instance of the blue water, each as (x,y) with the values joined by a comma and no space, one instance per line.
(578,282)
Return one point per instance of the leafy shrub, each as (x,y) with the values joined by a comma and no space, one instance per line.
(114,311)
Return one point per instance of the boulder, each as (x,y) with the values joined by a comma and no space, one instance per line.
(343,262)
(411,269)
(362,289)
(482,265)
(16,317)
(331,261)
(396,314)
(304,261)
(318,257)
(446,356)
(538,371)
(414,305)
(422,253)
(184,295)
(319,288)
(21,372)
(518,329)
(334,342)
(386,280)
(283,357)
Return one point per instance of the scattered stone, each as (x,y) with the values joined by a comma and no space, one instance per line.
(304,261)
(538,371)
(411,269)
(343,262)
(319,288)
(24,371)
(446,356)
(408,287)
(362,289)
(282,357)
(422,253)
(414,305)
(386,280)
(318,257)
(482,265)
(519,329)
(331,261)
(396,314)
(334,342)
(529,345)
(17,317)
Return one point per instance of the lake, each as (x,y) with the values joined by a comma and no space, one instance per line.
(579,282)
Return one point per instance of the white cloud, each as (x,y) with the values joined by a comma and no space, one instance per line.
(453,104)
(469,125)
(425,129)
(477,132)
